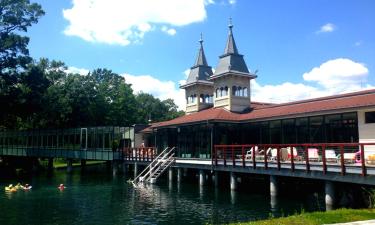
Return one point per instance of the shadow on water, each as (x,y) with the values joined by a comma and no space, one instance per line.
(96,197)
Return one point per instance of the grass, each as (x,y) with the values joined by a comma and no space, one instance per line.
(315,218)
(61,165)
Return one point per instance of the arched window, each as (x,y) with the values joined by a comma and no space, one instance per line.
(194,98)
(225,93)
(221,92)
(234,90)
(217,92)
(239,91)
(207,99)
(201,98)
(244,91)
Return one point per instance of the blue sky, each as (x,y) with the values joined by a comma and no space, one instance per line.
(301,48)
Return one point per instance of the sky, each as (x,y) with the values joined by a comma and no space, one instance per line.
(300,49)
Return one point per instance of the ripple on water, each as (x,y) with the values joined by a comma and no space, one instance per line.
(98,198)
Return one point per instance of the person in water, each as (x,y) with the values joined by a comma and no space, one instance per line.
(27,187)
(61,187)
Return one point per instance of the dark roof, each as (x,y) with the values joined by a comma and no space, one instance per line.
(231,60)
(268,111)
(200,71)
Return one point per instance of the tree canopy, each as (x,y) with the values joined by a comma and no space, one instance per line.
(43,94)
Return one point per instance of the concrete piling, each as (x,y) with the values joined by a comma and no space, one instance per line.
(201,178)
(273,185)
(233,181)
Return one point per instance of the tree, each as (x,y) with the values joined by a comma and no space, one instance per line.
(15,17)
(151,108)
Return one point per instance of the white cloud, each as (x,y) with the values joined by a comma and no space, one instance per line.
(81,71)
(358,43)
(338,74)
(326,28)
(232,2)
(169,31)
(332,77)
(186,72)
(156,87)
(125,21)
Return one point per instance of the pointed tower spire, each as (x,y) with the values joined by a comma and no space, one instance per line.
(201,58)
(200,72)
(231,60)
(231,47)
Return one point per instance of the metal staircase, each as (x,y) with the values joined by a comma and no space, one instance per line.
(156,168)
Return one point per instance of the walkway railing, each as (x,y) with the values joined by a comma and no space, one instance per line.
(139,154)
(323,155)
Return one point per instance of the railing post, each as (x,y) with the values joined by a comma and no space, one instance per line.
(253,158)
(342,160)
(147,154)
(243,156)
(224,157)
(233,157)
(278,158)
(265,158)
(215,155)
(324,159)
(292,158)
(363,160)
(307,159)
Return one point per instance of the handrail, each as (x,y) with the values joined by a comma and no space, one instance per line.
(167,161)
(159,161)
(325,154)
(151,164)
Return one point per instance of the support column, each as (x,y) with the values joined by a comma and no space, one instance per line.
(216,179)
(124,168)
(50,164)
(330,194)
(233,181)
(135,170)
(201,177)
(273,185)
(170,174)
(179,175)
(114,167)
(69,165)
(35,165)
(83,163)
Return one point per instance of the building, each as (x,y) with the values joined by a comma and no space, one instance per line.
(219,111)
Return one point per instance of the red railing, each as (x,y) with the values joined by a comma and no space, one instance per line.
(139,154)
(323,155)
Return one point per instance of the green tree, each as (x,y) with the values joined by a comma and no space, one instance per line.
(15,17)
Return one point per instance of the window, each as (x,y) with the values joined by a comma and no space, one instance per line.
(221,92)
(244,91)
(225,91)
(207,99)
(239,91)
(201,98)
(217,92)
(234,90)
(370,117)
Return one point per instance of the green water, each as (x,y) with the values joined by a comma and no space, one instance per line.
(96,197)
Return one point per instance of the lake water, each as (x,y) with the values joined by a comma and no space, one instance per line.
(96,197)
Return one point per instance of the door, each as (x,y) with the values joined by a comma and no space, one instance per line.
(83,138)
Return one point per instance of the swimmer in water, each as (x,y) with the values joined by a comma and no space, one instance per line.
(61,187)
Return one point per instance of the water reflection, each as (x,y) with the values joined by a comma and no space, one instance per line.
(273,205)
